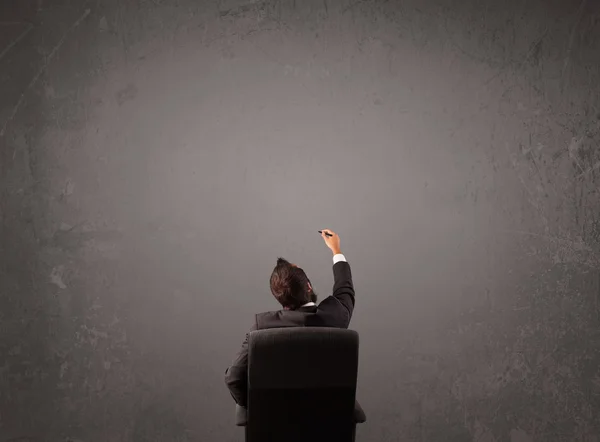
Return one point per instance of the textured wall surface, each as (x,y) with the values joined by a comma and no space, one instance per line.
(157,156)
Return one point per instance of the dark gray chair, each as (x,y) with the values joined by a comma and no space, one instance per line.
(301,386)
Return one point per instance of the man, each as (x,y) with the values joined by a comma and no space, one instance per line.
(292,288)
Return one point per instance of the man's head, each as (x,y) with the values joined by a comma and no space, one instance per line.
(290,285)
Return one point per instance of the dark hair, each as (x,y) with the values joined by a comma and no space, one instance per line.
(289,285)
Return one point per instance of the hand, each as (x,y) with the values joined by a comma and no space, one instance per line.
(333,241)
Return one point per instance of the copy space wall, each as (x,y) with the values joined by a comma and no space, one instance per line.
(157,157)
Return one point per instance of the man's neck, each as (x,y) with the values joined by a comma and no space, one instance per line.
(308,304)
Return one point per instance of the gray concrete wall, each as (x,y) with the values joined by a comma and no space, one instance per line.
(157,156)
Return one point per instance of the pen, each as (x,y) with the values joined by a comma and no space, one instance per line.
(326,234)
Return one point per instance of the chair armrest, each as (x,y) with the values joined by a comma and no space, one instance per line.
(359,414)
(241,416)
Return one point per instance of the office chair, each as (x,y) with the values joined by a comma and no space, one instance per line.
(301,386)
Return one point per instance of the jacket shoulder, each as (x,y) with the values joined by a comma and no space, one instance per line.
(268,319)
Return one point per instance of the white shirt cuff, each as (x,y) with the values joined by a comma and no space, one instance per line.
(339,257)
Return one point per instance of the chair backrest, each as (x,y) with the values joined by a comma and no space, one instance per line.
(301,384)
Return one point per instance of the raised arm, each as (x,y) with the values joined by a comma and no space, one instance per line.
(341,302)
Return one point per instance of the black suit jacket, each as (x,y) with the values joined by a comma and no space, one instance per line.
(334,311)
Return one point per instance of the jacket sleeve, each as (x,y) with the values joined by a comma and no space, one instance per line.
(340,305)
(236,375)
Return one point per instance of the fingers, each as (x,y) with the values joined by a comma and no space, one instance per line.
(327,231)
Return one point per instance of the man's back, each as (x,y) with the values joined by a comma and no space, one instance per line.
(334,311)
